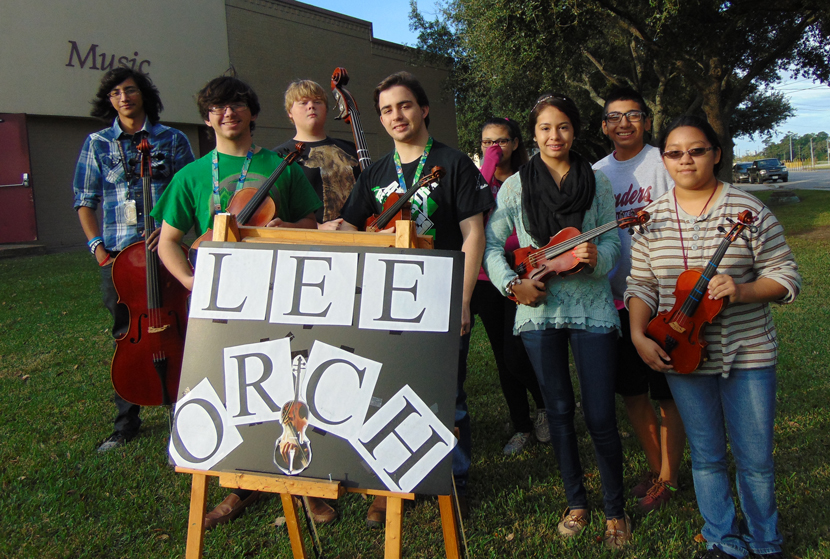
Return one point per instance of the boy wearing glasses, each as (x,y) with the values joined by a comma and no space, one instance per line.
(204,188)
(638,177)
(107,174)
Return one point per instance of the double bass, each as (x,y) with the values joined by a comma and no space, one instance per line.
(148,358)
(347,107)
(679,331)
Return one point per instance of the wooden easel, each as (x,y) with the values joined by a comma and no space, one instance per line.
(225,229)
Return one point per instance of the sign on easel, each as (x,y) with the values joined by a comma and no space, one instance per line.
(336,363)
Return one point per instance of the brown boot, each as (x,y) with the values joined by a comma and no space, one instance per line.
(321,512)
(376,517)
(229,509)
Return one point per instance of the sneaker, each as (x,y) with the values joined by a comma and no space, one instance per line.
(113,441)
(571,525)
(646,481)
(659,494)
(714,553)
(541,426)
(617,533)
(517,443)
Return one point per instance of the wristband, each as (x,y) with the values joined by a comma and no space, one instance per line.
(105,260)
(93,244)
(509,287)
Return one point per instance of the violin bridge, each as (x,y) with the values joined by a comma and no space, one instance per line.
(157,329)
(676,327)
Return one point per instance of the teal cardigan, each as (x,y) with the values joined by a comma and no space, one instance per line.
(581,300)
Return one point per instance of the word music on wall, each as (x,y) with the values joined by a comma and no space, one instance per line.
(95,60)
(291,350)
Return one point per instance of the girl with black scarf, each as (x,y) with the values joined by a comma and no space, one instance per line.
(554,190)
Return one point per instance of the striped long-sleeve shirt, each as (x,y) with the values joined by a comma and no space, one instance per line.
(743,335)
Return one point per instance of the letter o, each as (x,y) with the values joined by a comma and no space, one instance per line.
(217,423)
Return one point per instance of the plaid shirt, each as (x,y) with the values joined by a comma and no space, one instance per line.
(100,175)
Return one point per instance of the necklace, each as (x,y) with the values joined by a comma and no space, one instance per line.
(680,227)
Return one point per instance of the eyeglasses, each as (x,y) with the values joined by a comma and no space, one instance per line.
(128,91)
(694,152)
(502,142)
(632,116)
(220,109)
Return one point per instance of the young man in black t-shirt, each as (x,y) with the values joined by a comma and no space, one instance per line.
(453,213)
(330,164)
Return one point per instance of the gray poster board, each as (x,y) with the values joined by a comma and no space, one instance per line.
(374,333)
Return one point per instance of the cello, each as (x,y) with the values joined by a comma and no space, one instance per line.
(349,113)
(555,259)
(253,206)
(148,358)
(679,331)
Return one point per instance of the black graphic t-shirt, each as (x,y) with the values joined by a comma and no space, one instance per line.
(331,167)
(462,193)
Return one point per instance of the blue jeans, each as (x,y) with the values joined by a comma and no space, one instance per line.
(462,452)
(594,354)
(745,403)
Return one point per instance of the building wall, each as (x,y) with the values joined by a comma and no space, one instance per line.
(54,145)
(272,42)
(52,75)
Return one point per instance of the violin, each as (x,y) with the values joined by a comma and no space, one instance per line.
(253,206)
(292,453)
(148,358)
(555,258)
(397,207)
(679,331)
(349,114)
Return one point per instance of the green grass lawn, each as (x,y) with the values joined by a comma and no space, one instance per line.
(60,498)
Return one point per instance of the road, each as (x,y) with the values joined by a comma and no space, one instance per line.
(810,180)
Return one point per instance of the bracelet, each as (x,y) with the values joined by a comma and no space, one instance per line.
(94,243)
(105,260)
(509,287)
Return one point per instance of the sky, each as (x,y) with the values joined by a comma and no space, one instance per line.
(390,21)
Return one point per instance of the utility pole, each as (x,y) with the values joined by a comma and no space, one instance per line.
(791,146)
(812,157)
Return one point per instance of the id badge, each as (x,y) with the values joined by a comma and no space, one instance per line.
(130,213)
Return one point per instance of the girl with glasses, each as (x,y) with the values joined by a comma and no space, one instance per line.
(554,190)
(733,392)
(504,153)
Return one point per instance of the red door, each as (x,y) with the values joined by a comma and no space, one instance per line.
(17,203)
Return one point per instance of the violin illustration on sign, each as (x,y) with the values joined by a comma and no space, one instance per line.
(292,453)
(679,331)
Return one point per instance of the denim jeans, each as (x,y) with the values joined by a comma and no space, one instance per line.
(463,451)
(594,354)
(742,406)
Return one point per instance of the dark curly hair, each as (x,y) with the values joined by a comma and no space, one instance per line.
(225,90)
(102,106)
(410,82)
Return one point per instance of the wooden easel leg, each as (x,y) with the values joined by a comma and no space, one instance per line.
(394,520)
(292,522)
(449,526)
(196,520)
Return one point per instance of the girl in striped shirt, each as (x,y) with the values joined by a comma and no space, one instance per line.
(734,390)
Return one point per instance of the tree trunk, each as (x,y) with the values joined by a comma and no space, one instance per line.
(718,117)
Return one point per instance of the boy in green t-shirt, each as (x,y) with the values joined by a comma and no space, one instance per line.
(205,187)
(197,192)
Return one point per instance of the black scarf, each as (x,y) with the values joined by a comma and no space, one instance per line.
(549,209)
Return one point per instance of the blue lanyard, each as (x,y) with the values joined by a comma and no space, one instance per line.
(418,171)
(217,202)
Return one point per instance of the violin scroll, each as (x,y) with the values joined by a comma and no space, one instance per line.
(639,220)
